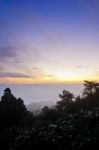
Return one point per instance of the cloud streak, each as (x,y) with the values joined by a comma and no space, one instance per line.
(47,75)
(78,66)
(7,52)
(13,75)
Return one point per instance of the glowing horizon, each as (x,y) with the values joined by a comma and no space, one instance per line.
(49,41)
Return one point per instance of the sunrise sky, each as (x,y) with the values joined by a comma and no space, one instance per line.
(49,41)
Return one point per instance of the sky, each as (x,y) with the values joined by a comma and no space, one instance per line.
(49,41)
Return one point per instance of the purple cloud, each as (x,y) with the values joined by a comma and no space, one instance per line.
(2,68)
(13,75)
(36,68)
(7,52)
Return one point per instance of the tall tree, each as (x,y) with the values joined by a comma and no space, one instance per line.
(66,100)
(90,87)
(12,110)
(91,95)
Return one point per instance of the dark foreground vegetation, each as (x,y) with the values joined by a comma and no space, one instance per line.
(72,125)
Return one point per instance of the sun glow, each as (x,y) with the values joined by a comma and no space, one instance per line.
(57,76)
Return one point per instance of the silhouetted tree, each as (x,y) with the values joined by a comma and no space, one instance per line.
(49,114)
(66,101)
(78,104)
(90,87)
(63,128)
(12,111)
(90,95)
(44,110)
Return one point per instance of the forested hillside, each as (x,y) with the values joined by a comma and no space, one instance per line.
(72,125)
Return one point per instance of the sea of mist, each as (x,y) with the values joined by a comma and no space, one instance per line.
(41,92)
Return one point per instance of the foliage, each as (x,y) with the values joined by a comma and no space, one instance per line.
(12,110)
(72,125)
(66,101)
